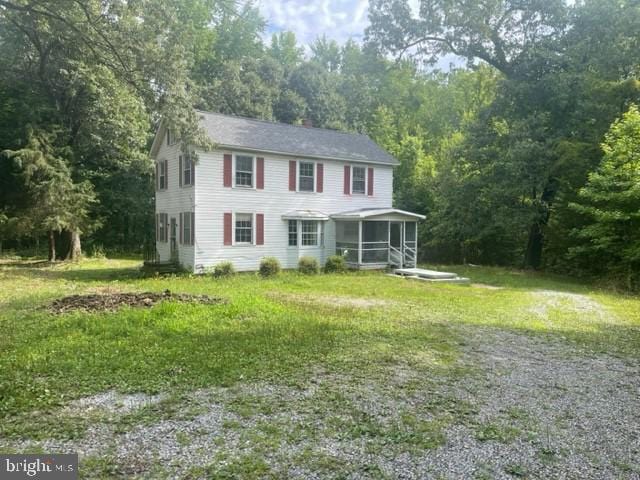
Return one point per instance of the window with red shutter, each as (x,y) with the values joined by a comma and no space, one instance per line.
(227,227)
(292,175)
(347,180)
(226,175)
(259,229)
(320,177)
(260,173)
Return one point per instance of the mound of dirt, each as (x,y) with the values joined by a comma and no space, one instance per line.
(112,301)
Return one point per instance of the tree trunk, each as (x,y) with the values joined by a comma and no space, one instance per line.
(75,250)
(533,255)
(52,245)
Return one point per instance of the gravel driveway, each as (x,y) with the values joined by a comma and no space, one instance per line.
(529,407)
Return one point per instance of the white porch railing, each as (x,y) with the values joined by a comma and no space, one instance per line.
(410,256)
(395,256)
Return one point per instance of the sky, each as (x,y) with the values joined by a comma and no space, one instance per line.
(308,19)
(337,19)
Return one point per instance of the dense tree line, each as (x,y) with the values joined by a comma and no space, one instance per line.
(525,153)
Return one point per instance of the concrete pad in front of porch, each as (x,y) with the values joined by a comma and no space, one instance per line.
(430,275)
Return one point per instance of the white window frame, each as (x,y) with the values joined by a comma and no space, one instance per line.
(162,165)
(186,160)
(163,232)
(295,222)
(366,169)
(253,172)
(171,139)
(319,234)
(186,218)
(253,229)
(315,176)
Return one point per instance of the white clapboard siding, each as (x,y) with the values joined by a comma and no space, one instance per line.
(172,201)
(212,200)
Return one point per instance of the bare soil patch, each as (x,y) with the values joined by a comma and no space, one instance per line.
(113,301)
(333,300)
(582,304)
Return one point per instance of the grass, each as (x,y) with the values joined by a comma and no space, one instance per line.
(281,330)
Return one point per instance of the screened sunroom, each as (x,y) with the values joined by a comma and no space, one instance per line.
(376,238)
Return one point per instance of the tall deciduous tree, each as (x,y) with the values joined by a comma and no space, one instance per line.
(610,202)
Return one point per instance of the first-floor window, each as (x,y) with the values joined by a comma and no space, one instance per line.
(161,227)
(310,233)
(244,228)
(293,233)
(358,180)
(188,228)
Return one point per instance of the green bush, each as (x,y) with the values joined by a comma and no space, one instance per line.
(269,267)
(335,264)
(223,269)
(308,265)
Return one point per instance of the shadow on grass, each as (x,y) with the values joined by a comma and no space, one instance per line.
(519,279)
(87,275)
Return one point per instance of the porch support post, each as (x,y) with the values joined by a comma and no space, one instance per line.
(415,243)
(389,242)
(360,243)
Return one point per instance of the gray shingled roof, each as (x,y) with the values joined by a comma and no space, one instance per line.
(260,135)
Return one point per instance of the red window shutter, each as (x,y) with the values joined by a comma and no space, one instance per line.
(292,175)
(193,172)
(180,171)
(226,175)
(180,228)
(260,173)
(227,228)
(259,229)
(320,177)
(370,181)
(347,180)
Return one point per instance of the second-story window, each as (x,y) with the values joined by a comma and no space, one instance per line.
(187,173)
(358,180)
(306,179)
(162,174)
(244,171)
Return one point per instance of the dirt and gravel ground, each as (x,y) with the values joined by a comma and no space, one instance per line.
(520,406)
(105,302)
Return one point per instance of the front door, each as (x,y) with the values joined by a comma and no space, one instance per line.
(395,244)
(174,244)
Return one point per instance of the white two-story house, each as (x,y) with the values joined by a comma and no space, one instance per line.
(285,191)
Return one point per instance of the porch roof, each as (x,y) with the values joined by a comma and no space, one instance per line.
(305,215)
(379,213)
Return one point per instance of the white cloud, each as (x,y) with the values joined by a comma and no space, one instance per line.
(337,19)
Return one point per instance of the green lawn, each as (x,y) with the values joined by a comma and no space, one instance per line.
(358,328)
